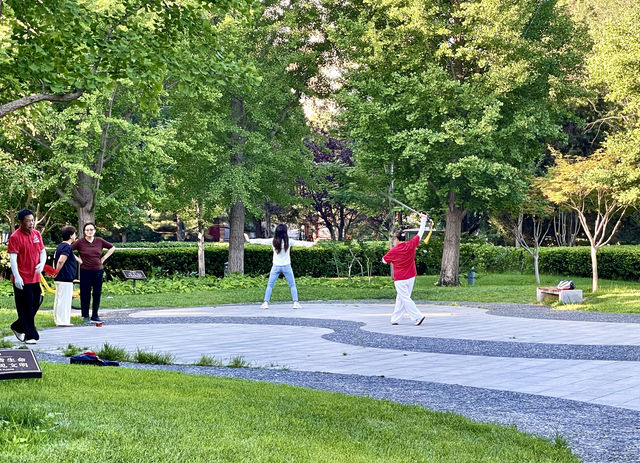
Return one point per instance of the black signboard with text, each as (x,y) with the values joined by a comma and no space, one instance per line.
(18,364)
(134,275)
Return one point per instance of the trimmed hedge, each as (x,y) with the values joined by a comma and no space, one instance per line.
(614,262)
(333,259)
(324,260)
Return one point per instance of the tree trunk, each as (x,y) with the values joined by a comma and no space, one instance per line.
(519,233)
(340,224)
(83,196)
(594,268)
(123,237)
(179,229)
(267,220)
(536,258)
(237,212)
(450,264)
(392,226)
(201,265)
(85,215)
(257,224)
(236,238)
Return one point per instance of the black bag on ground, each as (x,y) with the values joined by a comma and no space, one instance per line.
(91,358)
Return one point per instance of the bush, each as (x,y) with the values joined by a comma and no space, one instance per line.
(355,258)
(614,262)
(5,267)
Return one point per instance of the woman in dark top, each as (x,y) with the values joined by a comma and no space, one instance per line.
(91,270)
(66,269)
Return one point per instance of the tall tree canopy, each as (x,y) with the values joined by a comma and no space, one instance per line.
(459,96)
(246,142)
(114,60)
(56,50)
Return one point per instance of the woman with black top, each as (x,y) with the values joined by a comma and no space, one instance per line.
(66,267)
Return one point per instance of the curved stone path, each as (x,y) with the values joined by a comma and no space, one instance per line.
(547,372)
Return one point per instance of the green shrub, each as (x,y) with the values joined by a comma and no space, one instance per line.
(614,262)
(155,358)
(5,267)
(208,361)
(72,350)
(238,362)
(115,353)
(354,258)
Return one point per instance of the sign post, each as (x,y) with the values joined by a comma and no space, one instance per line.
(134,275)
(18,364)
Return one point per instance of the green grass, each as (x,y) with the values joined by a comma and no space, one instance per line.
(155,358)
(152,416)
(613,296)
(72,350)
(208,361)
(238,362)
(115,353)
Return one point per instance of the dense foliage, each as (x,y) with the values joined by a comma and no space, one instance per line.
(354,258)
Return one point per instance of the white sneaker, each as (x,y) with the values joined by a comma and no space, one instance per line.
(296,305)
(265,305)
(31,341)
(19,335)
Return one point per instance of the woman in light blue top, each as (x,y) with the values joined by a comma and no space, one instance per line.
(281,246)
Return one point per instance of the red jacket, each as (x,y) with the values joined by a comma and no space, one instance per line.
(403,258)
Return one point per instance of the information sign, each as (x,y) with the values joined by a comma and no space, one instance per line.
(18,364)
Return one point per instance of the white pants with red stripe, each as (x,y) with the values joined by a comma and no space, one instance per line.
(404,303)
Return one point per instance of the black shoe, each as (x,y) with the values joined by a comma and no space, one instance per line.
(86,319)
(96,319)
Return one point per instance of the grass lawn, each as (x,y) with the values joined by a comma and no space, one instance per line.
(86,414)
(613,296)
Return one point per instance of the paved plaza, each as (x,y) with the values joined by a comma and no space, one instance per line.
(545,371)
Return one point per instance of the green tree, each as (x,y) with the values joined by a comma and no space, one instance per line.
(100,154)
(329,185)
(23,181)
(251,137)
(599,189)
(458,96)
(56,50)
(106,150)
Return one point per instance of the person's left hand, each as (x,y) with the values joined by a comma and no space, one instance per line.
(39,267)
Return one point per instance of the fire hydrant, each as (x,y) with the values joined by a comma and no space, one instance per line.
(471,276)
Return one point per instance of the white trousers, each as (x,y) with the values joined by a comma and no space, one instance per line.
(404,303)
(62,303)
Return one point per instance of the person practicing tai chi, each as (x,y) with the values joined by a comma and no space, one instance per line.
(281,245)
(403,258)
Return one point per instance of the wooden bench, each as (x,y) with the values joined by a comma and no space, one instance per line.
(565,296)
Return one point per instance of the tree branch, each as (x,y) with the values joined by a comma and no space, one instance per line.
(38,141)
(283,116)
(8,108)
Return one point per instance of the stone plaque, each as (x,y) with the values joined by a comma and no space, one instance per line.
(134,275)
(18,364)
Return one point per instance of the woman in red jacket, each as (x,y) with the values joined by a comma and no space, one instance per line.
(403,258)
